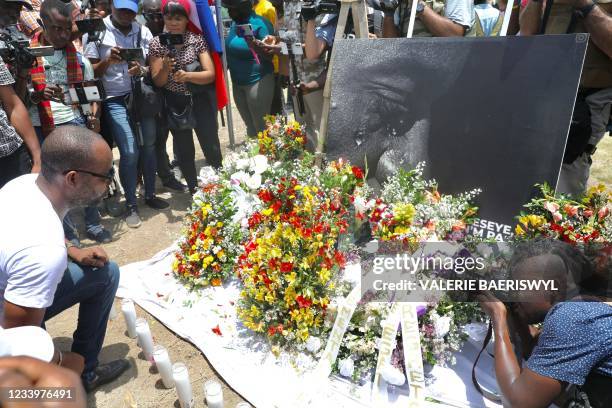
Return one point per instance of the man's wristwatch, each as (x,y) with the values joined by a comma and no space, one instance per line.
(420,7)
(583,12)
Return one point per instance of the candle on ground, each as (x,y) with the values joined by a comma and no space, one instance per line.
(144,338)
(129,313)
(183,386)
(214,394)
(163,364)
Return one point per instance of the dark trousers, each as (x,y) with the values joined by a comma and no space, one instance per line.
(94,290)
(14,165)
(277,104)
(205,111)
(163,162)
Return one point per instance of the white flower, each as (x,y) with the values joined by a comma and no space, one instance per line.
(240,177)
(254,182)
(392,375)
(208,175)
(360,205)
(441,325)
(242,164)
(259,164)
(347,367)
(313,344)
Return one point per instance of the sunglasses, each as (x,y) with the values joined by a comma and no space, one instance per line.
(153,16)
(109,177)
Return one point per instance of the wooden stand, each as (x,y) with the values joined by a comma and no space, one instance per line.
(358,11)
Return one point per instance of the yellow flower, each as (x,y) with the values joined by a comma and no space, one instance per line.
(324,275)
(519,230)
(404,213)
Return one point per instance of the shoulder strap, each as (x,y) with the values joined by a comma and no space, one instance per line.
(492,396)
(139,38)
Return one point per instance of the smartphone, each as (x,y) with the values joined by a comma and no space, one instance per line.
(131,54)
(87,93)
(244,30)
(170,40)
(42,51)
(90,25)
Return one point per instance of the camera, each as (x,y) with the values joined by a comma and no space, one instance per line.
(171,40)
(15,49)
(311,9)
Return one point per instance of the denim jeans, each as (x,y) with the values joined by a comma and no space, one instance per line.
(94,290)
(117,117)
(92,215)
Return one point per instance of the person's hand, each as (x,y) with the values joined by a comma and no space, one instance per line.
(115,56)
(27,372)
(93,123)
(93,13)
(372,36)
(168,63)
(50,92)
(267,48)
(95,257)
(307,87)
(135,69)
(182,77)
(492,306)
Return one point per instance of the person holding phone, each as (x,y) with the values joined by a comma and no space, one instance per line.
(250,64)
(187,74)
(122,31)
(51,79)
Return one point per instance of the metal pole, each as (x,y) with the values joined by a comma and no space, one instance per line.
(412,17)
(228,107)
(507,16)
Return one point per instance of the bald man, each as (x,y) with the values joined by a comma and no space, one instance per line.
(39,276)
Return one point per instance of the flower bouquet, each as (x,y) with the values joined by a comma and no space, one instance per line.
(282,140)
(410,209)
(212,239)
(580,221)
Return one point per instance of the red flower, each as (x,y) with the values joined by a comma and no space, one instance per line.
(276,206)
(303,302)
(357,172)
(265,196)
(217,331)
(340,259)
(286,267)
(255,220)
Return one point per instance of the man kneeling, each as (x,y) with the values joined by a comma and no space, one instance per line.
(37,280)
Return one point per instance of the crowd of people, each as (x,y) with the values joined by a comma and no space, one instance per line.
(56,155)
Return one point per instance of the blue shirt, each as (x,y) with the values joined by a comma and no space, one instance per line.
(326,31)
(576,338)
(488,16)
(240,60)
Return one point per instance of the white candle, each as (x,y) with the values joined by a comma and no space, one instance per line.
(163,364)
(214,394)
(144,338)
(129,313)
(243,405)
(183,386)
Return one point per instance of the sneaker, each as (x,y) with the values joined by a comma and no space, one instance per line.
(156,203)
(133,219)
(100,235)
(174,163)
(174,184)
(104,374)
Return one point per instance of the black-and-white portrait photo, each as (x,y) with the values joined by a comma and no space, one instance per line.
(489,113)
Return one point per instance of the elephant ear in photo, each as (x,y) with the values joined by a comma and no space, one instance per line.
(489,113)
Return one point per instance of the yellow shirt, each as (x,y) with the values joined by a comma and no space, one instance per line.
(265,9)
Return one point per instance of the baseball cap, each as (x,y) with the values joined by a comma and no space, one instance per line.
(126,4)
(30,341)
(24,3)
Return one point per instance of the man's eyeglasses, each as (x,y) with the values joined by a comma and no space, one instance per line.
(109,177)
(153,16)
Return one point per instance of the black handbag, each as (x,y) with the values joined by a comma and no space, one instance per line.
(180,115)
(195,66)
(144,101)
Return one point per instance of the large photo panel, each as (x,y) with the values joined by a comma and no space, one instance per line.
(492,113)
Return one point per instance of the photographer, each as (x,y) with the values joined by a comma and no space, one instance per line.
(434,18)
(187,89)
(123,32)
(151,11)
(250,64)
(594,101)
(575,342)
(51,79)
(19,147)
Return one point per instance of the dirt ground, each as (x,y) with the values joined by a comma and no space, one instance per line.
(140,386)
